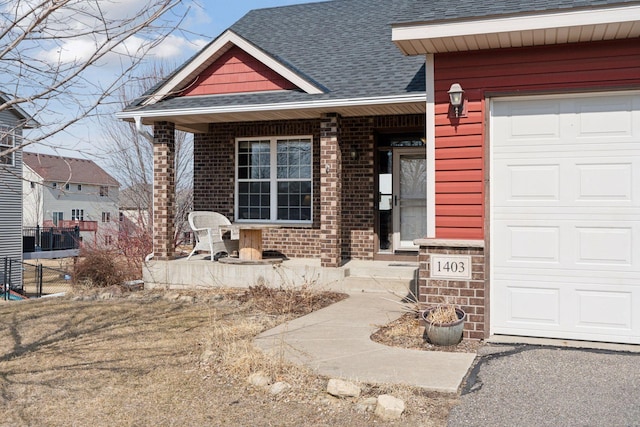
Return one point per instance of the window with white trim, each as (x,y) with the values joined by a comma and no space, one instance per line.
(77,214)
(57,218)
(7,141)
(274,179)
(106,216)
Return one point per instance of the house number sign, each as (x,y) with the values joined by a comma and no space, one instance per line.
(451,266)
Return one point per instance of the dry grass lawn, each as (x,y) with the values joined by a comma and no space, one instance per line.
(169,359)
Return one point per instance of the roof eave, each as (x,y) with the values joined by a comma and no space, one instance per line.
(585,25)
(197,119)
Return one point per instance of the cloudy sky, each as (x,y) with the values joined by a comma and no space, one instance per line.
(205,20)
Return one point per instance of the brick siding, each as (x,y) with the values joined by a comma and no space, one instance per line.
(470,295)
(164,193)
(214,175)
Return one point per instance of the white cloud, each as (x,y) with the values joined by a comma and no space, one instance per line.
(175,47)
(75,50)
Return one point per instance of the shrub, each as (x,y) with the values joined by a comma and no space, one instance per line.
(98,268)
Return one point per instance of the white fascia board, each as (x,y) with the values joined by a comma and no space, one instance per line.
(353,102)
(406,32)
(221,45)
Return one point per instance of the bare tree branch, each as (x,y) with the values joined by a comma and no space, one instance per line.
(62,60)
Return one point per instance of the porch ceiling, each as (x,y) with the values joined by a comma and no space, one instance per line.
(518,31)
(197,120)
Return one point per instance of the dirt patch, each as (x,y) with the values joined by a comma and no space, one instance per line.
(171,358)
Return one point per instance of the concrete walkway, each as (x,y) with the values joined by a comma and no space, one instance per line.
(335,342)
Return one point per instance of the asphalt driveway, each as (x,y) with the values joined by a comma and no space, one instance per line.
(544,386)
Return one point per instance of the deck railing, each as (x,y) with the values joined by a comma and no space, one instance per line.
(35,239)
(70,223)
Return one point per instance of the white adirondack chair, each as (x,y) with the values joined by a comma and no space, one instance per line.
(206,228)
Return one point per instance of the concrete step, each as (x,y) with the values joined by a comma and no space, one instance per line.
(392,286)
(382,269)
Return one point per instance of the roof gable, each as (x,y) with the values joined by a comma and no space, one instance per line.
(207,57)
(67,169)
(26,120)
(236,72)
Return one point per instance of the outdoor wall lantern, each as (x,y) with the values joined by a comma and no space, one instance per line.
(456,98)
(354,152)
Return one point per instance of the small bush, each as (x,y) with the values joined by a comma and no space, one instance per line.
(98,269)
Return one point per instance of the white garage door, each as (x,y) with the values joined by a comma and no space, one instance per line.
(565,217)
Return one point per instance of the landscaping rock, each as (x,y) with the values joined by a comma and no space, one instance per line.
(259,379)
(189,299)
(279,387)
(389,407)
(367,405)
(171,296)
(340,388)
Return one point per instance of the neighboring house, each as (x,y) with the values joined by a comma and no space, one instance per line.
(135,211)
(12,121)
(67,192)
(134,208)
(334,121)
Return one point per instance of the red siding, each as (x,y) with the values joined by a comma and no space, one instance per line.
(460,142)
(234,72)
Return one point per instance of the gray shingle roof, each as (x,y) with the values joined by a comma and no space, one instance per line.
(436,10)
(343,45)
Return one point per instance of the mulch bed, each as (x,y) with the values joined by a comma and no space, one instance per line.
(409,332)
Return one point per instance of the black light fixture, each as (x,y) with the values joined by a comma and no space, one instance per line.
(456,98)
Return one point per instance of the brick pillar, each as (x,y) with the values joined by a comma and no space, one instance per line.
(447,286)
(330,192)
(164,190)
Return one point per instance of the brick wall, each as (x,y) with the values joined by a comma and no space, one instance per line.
(164,194)
(330,191)
(469,294)
(214,176)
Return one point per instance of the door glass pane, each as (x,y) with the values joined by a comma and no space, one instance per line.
(385,200)
(413,200)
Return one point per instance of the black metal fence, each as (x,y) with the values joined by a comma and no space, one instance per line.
(38,238)
(37,280)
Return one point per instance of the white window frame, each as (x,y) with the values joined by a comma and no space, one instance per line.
(77,214)
(273,179)
(56,217)
(106,216)
(8,141)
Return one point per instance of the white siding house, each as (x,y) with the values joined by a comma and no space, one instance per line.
(12,121)
(67,192)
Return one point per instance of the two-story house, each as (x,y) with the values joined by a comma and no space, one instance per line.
(67,192)
(12,121)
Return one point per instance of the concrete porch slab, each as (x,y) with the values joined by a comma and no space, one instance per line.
(199,272)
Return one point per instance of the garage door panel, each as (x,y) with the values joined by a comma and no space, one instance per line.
(605,117)
(565,217)
(533,244)
(566,182)
(535,308)
(604,309)
(604,182)
(578,245)
(604,246)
